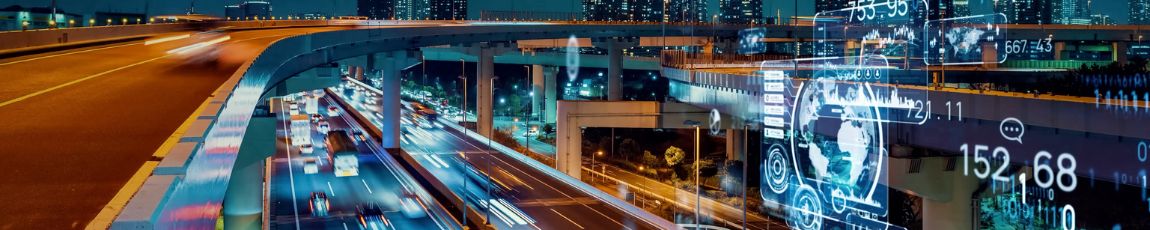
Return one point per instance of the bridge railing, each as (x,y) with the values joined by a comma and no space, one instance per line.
(46,37)
(684,59)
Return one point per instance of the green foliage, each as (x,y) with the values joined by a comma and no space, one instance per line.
(674,155)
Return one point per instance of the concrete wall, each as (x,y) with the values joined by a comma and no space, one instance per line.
(35,38)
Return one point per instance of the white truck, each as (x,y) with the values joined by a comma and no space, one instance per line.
(345,157)
(300,130)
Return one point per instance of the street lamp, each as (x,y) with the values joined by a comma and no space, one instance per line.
(463,75)
(527,113)
(698,190)
(599,153)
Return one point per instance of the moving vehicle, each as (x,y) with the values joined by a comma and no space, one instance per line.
(319,204)
(323,127)
(412,208)
(306,148)
(310,165)
(344,155)
(359,136)
(293,109)
(311,105)
(332,111)
(300,130)
(371,217)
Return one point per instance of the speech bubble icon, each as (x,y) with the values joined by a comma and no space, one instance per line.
(1012,129)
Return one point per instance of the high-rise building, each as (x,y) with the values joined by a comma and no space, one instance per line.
(1073,12)
(939,9)
(606,10)
(961,8)
(249,10)
(1027,11)
(647,10)
(411,9)
(1139,12)
(233,12)
(687,11)
(376,9)
(831,5)
(447,9)
(740,11)
(1101,19)
(623,10)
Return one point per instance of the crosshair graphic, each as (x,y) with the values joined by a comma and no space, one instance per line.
(806,210)
(777,169)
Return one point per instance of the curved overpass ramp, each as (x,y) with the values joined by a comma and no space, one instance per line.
(81,123)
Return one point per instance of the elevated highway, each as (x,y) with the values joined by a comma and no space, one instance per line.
(81,122)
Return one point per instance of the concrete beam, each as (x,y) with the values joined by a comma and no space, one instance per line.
(573,116)
(544,58)
(586,42)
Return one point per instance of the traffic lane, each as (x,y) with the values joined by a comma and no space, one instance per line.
(67,152)
(26,75)
(601,216)
(572,205)
(379,179)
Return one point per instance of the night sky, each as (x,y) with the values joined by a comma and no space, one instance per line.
(1118,9)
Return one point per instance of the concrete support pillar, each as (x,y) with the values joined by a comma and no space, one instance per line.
(549,94)
(736,146)
(243,202)
(953,212)
(615,48)
(989,56)
(614,72)
(537,84)
(1058,48)
(485,72)
(1118,53)
(485,53)
(391,65)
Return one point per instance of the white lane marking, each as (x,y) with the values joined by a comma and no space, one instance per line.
(365,186)
(330,189)
(568,219)
(518,212)
(68,53)
(37,93)
(291,174)
(53,88)
(536,179)
(344,225)
(433,162)
(166,39)
(440,160)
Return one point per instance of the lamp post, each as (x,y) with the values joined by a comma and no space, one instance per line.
(599,153)
(527,112)
(698,190)
(463,110)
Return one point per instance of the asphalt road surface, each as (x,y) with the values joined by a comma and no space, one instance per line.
(531,200)
(76,124)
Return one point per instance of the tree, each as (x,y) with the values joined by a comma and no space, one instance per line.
(548,128)
(629,148)
(707,167)
(650,159)
(674,155)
